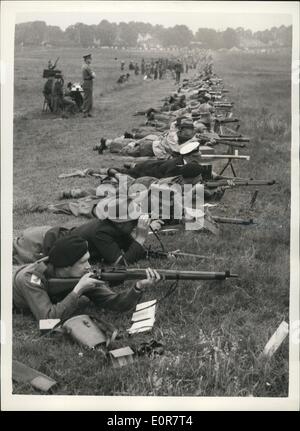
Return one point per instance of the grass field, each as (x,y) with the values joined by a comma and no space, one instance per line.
(213,332)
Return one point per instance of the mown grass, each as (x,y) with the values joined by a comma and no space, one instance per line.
(212,332)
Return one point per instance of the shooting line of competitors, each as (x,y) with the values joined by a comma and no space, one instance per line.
(160,68)
(175,145)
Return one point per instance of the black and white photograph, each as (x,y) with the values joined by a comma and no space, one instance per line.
(150,205)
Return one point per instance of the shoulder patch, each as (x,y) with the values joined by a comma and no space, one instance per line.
(35,280)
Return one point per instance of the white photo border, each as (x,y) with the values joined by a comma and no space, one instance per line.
(12,402)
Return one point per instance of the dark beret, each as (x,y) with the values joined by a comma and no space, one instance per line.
(53,235)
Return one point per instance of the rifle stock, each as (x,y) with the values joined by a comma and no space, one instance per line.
(119,275)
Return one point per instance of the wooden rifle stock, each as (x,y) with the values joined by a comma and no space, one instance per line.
(119,275)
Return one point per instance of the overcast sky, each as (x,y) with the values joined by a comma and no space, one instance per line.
(216,15)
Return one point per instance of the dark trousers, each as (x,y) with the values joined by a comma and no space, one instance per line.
(87,99)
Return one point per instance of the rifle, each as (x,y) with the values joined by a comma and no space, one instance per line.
(223,156)
(54,65)
(221,183)
(226,120)
(230,138)
(223,105)
(232,220)
(233,141)
(231,144)
(176,253)
(119,275)
(217,219)
(238,137)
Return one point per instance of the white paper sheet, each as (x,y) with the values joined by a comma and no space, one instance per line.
(148,313)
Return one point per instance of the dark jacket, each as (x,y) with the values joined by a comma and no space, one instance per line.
(105,241)
(166,168)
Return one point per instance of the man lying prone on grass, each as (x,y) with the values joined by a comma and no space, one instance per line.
(69,258)
(112,240)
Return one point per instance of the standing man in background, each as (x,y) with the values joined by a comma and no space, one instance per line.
(178,67)
(88,76)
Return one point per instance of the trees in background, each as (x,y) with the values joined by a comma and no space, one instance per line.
(179,35)
(209,38)
(106,32)
(80,34)
(31,33)
(126,34)
(230,38)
